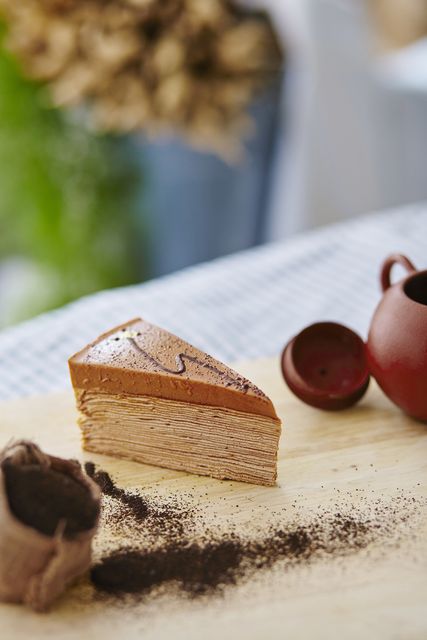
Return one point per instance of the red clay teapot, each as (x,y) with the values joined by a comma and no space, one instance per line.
(397,342)
(327,365)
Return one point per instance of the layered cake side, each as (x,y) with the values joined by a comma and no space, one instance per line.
(147,395)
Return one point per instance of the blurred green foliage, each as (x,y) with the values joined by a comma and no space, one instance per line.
(67,196)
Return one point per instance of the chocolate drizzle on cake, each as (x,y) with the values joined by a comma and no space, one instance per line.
(241,384)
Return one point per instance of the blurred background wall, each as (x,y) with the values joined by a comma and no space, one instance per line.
(356,110)
(140,138)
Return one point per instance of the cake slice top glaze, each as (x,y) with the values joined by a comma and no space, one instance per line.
(139,358)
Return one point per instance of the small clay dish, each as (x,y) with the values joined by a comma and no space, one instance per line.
(325,366)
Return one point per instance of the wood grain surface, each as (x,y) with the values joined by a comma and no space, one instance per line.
(347,460)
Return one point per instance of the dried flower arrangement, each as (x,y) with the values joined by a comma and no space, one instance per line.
(188,67)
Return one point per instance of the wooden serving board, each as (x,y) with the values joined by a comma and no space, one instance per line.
(371,452)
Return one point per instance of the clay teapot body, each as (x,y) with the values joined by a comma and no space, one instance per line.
(397,342)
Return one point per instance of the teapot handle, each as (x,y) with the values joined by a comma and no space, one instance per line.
(395,258)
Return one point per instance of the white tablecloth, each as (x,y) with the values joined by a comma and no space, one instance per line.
(243,306)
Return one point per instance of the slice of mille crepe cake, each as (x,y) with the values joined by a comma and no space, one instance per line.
(146,395)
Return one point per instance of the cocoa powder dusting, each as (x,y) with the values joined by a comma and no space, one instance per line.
(168,543)
(43,498)
(208,565)
(133,502)
(137,511)
(197,568)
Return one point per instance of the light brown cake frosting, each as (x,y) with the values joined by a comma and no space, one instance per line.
(139,358)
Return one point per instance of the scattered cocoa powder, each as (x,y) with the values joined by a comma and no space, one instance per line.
(135,503)
(42,498)
(208,565)
(207,562)
(168,518)
(197,568)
